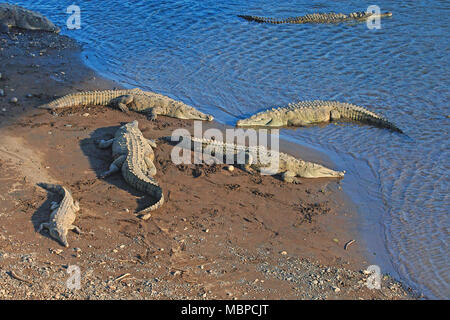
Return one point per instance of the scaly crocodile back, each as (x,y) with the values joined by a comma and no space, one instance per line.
(330,17)
(89,98)
(285,162)
(133,174)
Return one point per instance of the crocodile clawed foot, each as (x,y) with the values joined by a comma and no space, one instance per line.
(76,230)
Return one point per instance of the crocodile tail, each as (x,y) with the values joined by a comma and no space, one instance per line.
(55,188)
(83,99)
(145,184)
(357,113)
(262,19)
(155,206)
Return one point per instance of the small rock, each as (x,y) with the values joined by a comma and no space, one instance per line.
(86,114)
(14,100)
(230,168)
(2,93)
(283,253)
(29,95)
(4,109)
(336,289)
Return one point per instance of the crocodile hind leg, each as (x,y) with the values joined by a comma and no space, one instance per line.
(115,166)
(290,177)
(104,144)
(43,226)
(151,169)
(75,229)
(152,143)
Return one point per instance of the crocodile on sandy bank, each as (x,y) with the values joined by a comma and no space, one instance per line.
(319,18)
(133,155)
(14,16)
(150,103)
(312,112)
(249,159)
(63,214)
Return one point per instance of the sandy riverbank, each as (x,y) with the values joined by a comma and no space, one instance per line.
(219,234)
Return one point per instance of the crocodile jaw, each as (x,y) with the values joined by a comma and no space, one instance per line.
(318,171)
(193,114)
(257,122)
(36,21)
(60,236)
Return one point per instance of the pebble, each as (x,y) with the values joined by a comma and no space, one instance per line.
(283,253)
(336,289)
(86,114)
(230,168)
(2,93)
(4,109)
(14,100)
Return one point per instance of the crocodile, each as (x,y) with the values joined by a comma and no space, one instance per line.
(257,158)
(330,17)
(133,155)
(63,214)
(15,16)
(311,112)
(146,102)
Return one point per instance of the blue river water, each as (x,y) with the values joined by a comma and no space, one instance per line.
(200,52)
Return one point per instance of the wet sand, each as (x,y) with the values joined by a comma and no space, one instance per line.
(220,234)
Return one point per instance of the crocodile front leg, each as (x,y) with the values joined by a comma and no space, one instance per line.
(151,114)
(122,102)
(115,166)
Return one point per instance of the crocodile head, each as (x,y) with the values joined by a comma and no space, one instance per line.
(30,20)
(60,235)
(318,171)
(129,126)
(188,112)
(268,119)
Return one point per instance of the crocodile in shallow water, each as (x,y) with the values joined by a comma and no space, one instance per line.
(319,18)
(312,112)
